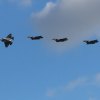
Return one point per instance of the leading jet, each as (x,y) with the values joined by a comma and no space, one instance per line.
(91,41)
(8,40)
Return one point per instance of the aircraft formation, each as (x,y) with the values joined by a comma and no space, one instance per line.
(8,40)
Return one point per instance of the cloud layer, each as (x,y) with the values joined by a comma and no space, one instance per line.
(75,19)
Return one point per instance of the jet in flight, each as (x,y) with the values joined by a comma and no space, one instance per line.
(35,37)
(8,40)
(91,42)
(60,40)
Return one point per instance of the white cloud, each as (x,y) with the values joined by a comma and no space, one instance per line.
(75,19)
(72,85)
(93,81)
(98,77)
(48,8)
(75,84)
(51,93)
(96,80)
(92,98)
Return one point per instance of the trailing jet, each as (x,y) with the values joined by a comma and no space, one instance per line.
(7,40)
(91,42)
(60,40)
(35,37)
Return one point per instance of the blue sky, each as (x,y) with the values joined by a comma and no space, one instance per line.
(36,70)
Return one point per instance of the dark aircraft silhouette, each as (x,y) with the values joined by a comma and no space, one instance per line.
(7,40)
(91,42)
(35,37)
(60,40)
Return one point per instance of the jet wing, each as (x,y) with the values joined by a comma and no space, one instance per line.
(10,36)
(6,44)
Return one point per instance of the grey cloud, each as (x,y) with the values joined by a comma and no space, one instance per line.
(76,19)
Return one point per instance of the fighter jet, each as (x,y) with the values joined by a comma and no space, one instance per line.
(35,37)
(8,40)
(60,40)
(91,42)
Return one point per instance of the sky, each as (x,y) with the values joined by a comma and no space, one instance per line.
(44,69)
